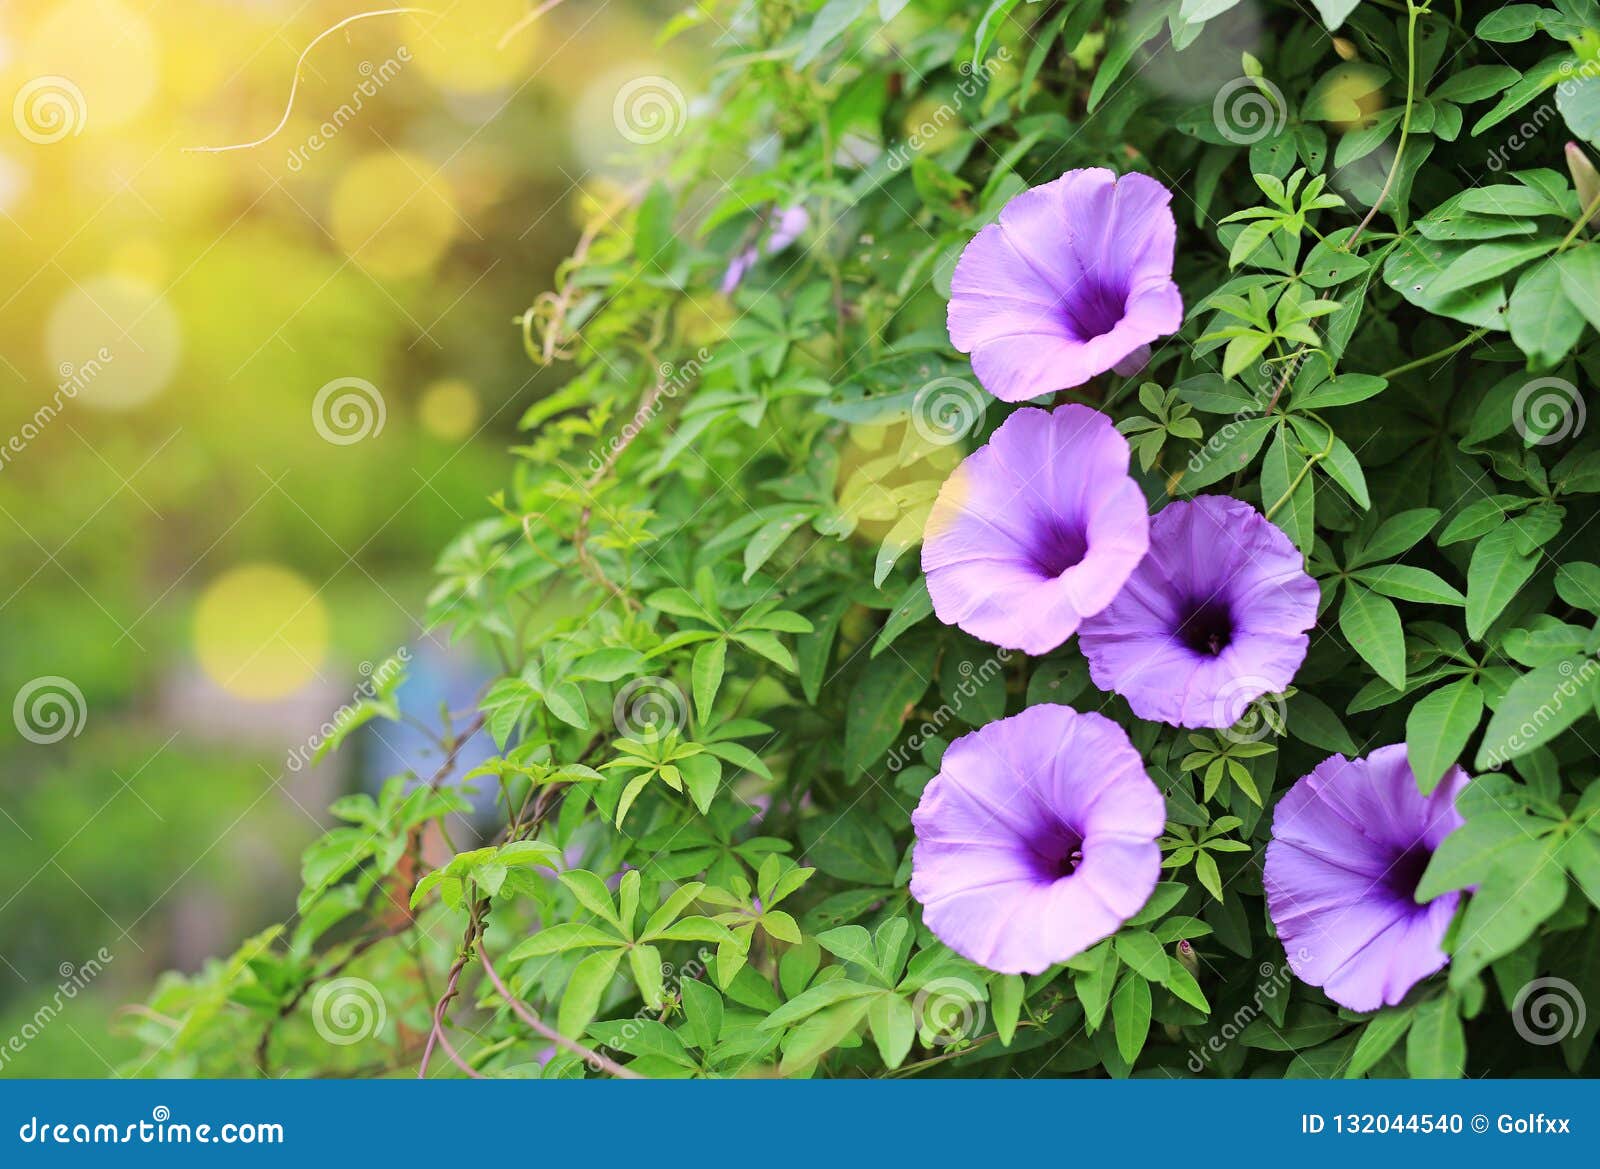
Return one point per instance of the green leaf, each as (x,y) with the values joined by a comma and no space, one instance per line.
(1536,708)
(1543,321)
(1143,954)
(893,1025)
(706,675)
(581,1000)
(1579,270)
(1437,1048)
(1378,1037)
(1495,575)
(1398,534)
(1371,625)
(1405,583)
(1005,1001)
(1437,730)
(880,701)
(1130,1015)
(563,936)
(1231,448)
(914,606)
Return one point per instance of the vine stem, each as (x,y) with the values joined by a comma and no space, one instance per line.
(1412,12)
(1311,461)
(522,1011)
(1447,351)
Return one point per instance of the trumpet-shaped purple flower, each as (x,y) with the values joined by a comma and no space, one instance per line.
(1075,279)
(1349,844)
(1036,839)
(1036,530)
(1213,618)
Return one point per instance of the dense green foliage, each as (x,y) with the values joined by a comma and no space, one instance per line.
(723,687)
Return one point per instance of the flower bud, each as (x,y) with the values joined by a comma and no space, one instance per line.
(1187,957)
(1585,179)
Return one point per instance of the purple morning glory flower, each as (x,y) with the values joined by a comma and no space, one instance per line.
(1213,618)
(1035,530)
(1036,839)
(1350,842)
(791,222)
(1075,279)
(734,274)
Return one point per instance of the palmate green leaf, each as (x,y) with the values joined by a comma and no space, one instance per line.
(1371,624)
(1142,954)
(1437,730)
(1286,492)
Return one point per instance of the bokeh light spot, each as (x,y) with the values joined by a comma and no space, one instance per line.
(105,48)
(260,631)
(115,339)
(392,215)
(459,50)
(449,409)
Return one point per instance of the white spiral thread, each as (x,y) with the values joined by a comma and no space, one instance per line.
(945,409)
(1547,410)
(1248,109)
(48,109)
(649,706)
(1547,1010)
(347,410)
(948,1010)
(48,709)
(648,110)
(348,1010)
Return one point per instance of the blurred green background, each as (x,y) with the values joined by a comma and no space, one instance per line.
(246,397)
